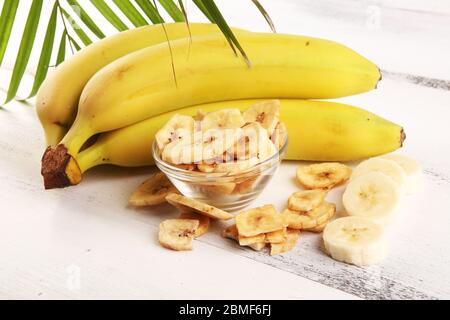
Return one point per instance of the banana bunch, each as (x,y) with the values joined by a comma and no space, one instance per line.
(128,86)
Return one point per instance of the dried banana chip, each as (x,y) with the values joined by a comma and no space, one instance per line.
(306,200)
(153,191)
(286,246)
(259,220)
(280,135)
(223,119)
(177,234)
(311,219)
(276,236)
(258,246)
(203,221)
(246,241)
(266,113)
(323,175)
(179,127)
(223,188)
(185,204)
(231,232)
(318,229)
(245,186)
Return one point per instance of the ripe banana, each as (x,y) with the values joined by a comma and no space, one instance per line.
(57,100)
(142,85)
(319,131)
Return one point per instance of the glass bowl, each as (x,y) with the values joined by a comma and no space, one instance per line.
(230,192)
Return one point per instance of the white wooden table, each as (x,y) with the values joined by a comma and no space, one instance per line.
(85,242)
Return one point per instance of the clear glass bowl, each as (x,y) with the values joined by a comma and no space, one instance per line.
(230,192)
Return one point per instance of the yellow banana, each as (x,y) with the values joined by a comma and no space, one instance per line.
(57,100)
(142,85)
(318,131)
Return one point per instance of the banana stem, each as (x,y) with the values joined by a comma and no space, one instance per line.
(91,157)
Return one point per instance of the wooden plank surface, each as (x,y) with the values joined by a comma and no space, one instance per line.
(48,240)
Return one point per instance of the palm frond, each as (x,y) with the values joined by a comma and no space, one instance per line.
(76,35)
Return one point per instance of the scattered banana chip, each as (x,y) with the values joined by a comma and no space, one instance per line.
(153,191)
(178,234)
(246,241)
(311,219)
(185,204)
(318,229)
(259,220)
(266,113)
(286,246)
(232,233)
(203,221)
(306,200)
(323,176)
(276,236)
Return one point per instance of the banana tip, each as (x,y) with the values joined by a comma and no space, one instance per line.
(59,168)
(402,137)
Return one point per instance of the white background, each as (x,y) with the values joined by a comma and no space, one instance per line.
(85,242)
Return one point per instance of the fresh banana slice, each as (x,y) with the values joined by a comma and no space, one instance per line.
(246,241)
(355,240)
(177,234)
(153,191)
(259,220)
(323,175)
(387,167)
(203,221)
(280,135)
(266,113)
(223,119)
(307,220)
(374,196)
(179,127)
(185,204)
(278,236)
(413,170)
(292,237)
(306,200)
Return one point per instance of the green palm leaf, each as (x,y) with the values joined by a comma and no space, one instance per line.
(174,8)
(131,12)
(151,11)
(6,23)
(86,19)
(109,15)
(46,53)
(26,45)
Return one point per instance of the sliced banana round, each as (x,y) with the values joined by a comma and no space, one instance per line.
(387,167)
(278,236)
(374,196)
(179,127)
(323,175)
(217,142)
(306,200)
(252,138)
(223,119)
(178,234)
(203,221)
(185,204)
(235,167)
(307,220)
(246,241)
(266,113)
(355,240)
(232,233)
(318,229)
(412,168)
(259,220)
(153,191)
